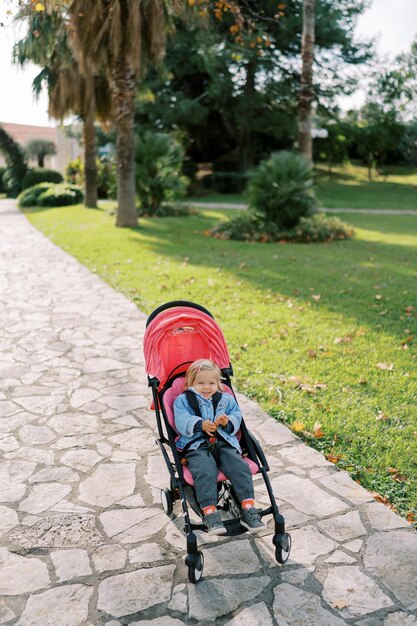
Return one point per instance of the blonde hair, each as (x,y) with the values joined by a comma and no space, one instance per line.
(196,367)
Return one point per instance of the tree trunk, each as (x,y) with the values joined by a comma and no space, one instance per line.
(306,94)
(41,160)
(246,152)
(123,87)
(90,153)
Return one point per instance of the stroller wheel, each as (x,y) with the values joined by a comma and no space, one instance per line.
(282,547)
(166,501)
(195,564)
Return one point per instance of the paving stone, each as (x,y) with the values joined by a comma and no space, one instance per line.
(255,615)
(233,558)
(382,518)
(354,546)
(132,501)
(70,564)
(125,403)
(297,576)
(308,544)
(135,591)
(8,519)
(69,424)
(76,442)
(108,484)
(32,435)
(42,497)
(109,557)
(342,484)
(66,606)
(340,557)
(146,553)
(43,457)
(132,525)
(60,531)
(295,607)
(304,456)
(384,549)
(19,575)
(159,621)
(343,527)
(349,585)
(54,474)
(211,599)
(43,405)
(82,396)
(179,600)
(400,619)
(8,443)
(82,460)
(306,497)
(6,614)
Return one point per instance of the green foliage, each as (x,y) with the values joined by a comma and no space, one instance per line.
(226,182)
(314,229)
(159,160)
(74,173)
(39,149)
(169,210)
(49,195)
(280,190)
(16,164)
(35,176)
(2,186)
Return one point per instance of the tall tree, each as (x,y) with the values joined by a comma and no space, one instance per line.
(39,149)
(69,91)
(120,35)
(306,95)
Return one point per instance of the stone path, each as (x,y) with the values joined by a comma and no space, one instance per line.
(236,205)
(84,540)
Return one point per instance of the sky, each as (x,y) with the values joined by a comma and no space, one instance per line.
(393,22)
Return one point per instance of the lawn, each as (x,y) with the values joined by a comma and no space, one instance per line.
(349,187)
(322,336)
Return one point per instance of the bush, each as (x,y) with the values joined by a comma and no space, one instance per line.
(226,182)
(50,195)
(280,190)
(35,176)
(317,228)
(2,186)
(158,171)
(74,174)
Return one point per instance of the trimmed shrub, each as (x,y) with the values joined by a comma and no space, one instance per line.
(50,195)
(280,190)
(35,176)
(60,195)
(169,210)
(317,228)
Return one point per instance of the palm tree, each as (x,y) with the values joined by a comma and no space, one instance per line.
(69,91)
(120,35)
(306,94)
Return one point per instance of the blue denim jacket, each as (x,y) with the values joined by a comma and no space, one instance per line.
(185,419)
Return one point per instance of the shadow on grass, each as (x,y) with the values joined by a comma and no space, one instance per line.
(347,275)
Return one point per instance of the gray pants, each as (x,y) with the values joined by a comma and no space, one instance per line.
(205,464)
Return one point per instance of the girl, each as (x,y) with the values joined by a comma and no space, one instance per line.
(209,442)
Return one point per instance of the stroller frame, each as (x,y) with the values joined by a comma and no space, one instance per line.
(179,488)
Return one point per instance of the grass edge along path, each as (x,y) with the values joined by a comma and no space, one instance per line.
(322,336)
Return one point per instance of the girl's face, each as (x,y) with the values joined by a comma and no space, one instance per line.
(206,383)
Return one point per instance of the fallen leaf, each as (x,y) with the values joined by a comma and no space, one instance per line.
(333,458)
(317,430)
(362,381)
(297,426)
(346,339)
(320,386)
(316,297)
(360,332)
(411,517)
(339,604)
(312,354)
(383,417)
(306,388)
(385,366)
(378,296)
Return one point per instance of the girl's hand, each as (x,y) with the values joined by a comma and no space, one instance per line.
(222,420)
(209,427)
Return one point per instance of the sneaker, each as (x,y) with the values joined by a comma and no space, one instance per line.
(214,524)
(250,519)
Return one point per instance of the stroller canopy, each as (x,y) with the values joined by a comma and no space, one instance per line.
(179,333)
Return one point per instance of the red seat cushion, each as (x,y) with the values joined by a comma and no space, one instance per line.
(168,401)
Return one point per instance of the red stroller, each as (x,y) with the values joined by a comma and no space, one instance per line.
(178,333)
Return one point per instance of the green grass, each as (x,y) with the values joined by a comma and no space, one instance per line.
(294,316)
(349,187)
